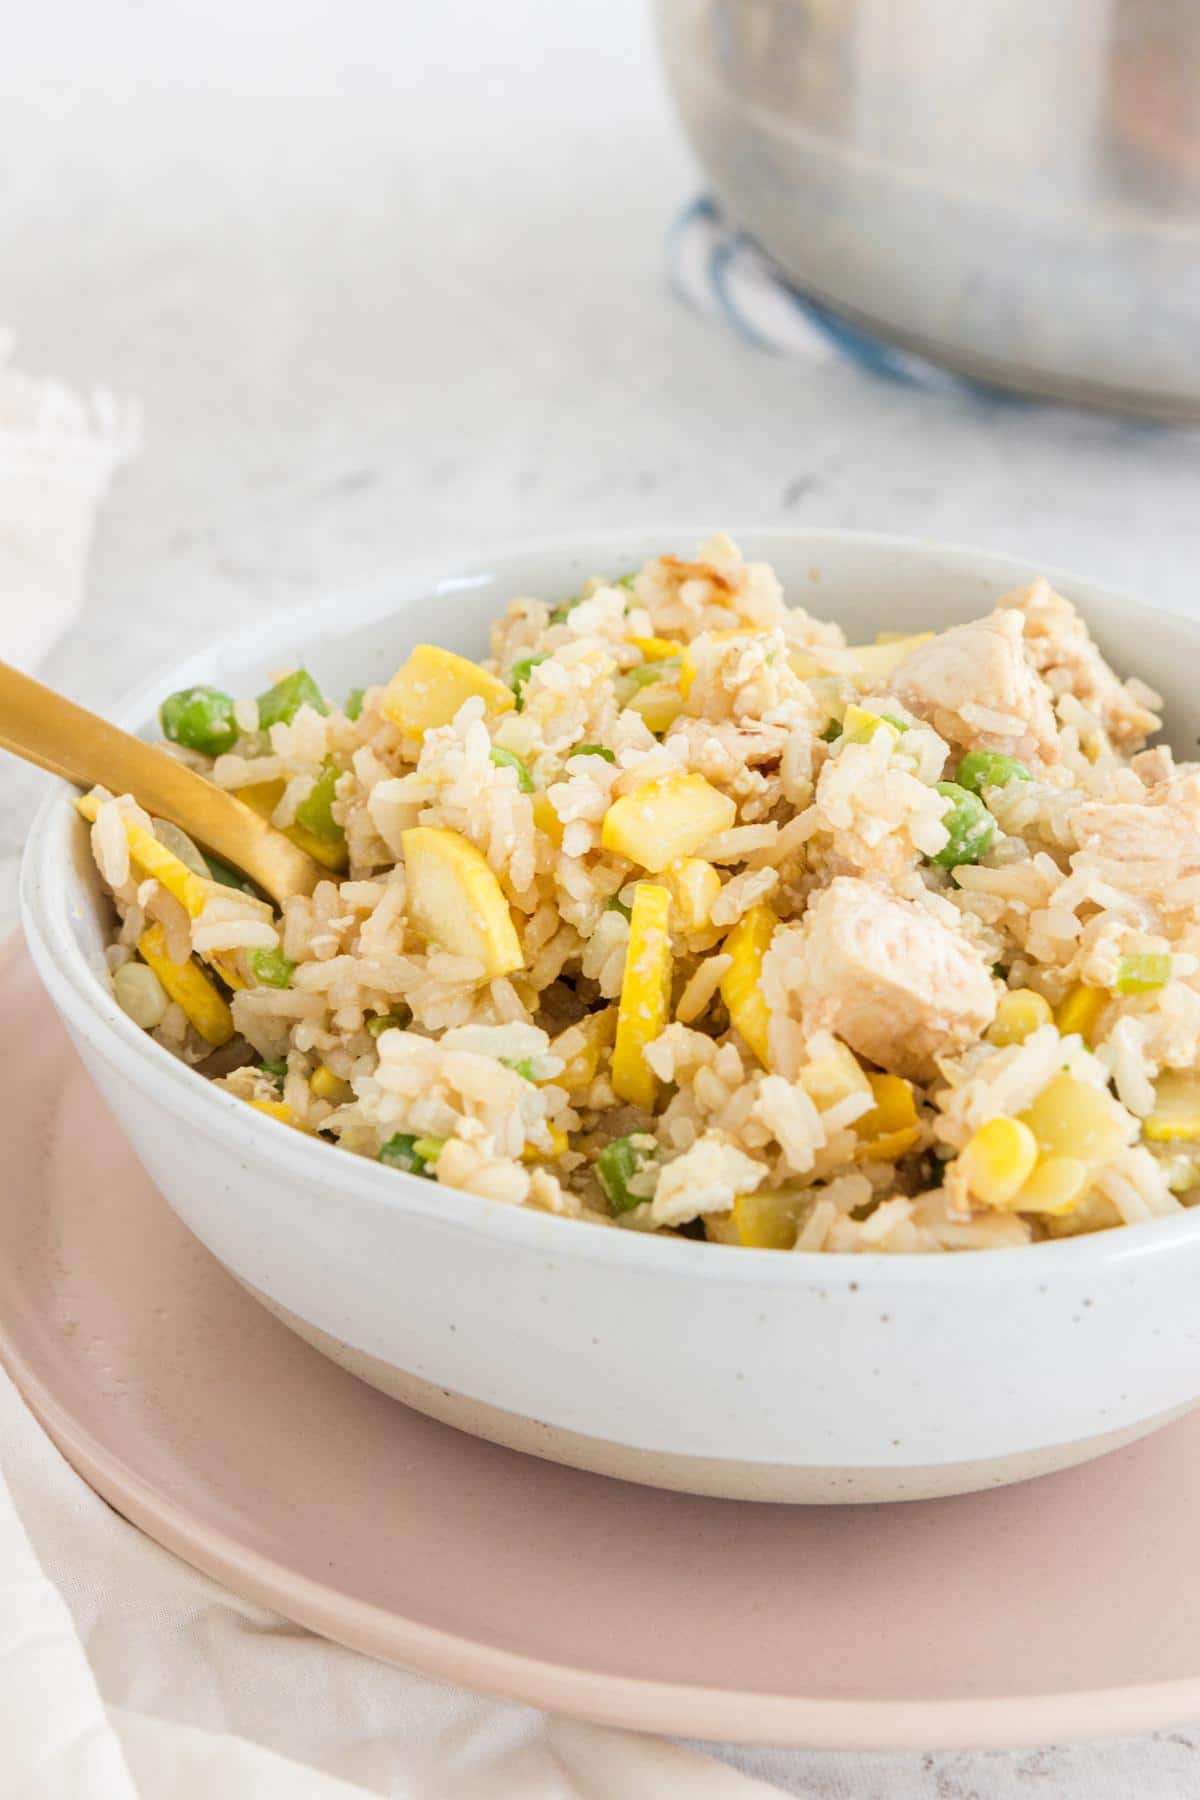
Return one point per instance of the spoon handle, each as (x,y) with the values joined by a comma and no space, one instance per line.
(44,728)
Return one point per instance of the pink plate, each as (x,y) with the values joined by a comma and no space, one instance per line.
(1064,1607)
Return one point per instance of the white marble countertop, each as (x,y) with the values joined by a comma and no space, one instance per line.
(390,280)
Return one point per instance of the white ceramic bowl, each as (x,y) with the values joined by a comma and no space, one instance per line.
(687,1365)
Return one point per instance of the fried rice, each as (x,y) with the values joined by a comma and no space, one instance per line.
(678,914)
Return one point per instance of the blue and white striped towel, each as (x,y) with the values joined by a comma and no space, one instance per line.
(719,271)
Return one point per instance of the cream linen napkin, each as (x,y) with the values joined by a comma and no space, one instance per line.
(58,454)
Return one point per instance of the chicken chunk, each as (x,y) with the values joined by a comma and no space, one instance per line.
(889,979)
(1060,647)
(974,685)
(1150,844)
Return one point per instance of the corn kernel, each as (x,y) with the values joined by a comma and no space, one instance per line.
(998,1161)
(328,1086)
(1018,1013)
(1056,1187)
(1080,1012)
(762,1221)
(276,1109)
(558,1143)
(1176,1112)
(656,649)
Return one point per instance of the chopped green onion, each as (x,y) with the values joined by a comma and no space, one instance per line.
(1000,971)
(199,718)
(520,672)
(613,904)
(315,811)
(520,1065)
(891,719)
(354,703)
(280,704)
(618,1163)
(970,824)
(389,1021)
(429,1148)
(648,673)
(508,759)
(832,731)
(594,750)
(270,968)
(219,871)
(626,581)
(401,1152)
(989,768)
(1143,972)
(275,1067)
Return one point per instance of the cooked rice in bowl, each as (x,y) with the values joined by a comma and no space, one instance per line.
(682,915)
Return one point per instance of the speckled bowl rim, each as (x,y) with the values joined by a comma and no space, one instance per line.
(353,1183)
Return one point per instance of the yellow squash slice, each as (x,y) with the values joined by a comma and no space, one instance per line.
(741,984)
(659,823)
(429,688)
(645,994)
(455,901)
(190,987)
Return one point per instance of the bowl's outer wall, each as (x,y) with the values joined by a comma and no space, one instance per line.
(679,1348)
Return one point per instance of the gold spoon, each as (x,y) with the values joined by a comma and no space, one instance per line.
(41,726)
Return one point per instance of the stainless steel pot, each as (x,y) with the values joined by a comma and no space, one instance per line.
(1008,186)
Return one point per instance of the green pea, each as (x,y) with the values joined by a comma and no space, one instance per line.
(199,718)
(315,811)
(280,704)
(354,703)
(389,1021)
(508,759)
(594,750)
(520,1065)
(276,1068)
(1142,972)
(520,672)
(970,824)
(270,968)
(989,768)
(618,1163)
(401,1152)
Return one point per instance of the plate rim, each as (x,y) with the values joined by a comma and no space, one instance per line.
(640,1703)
